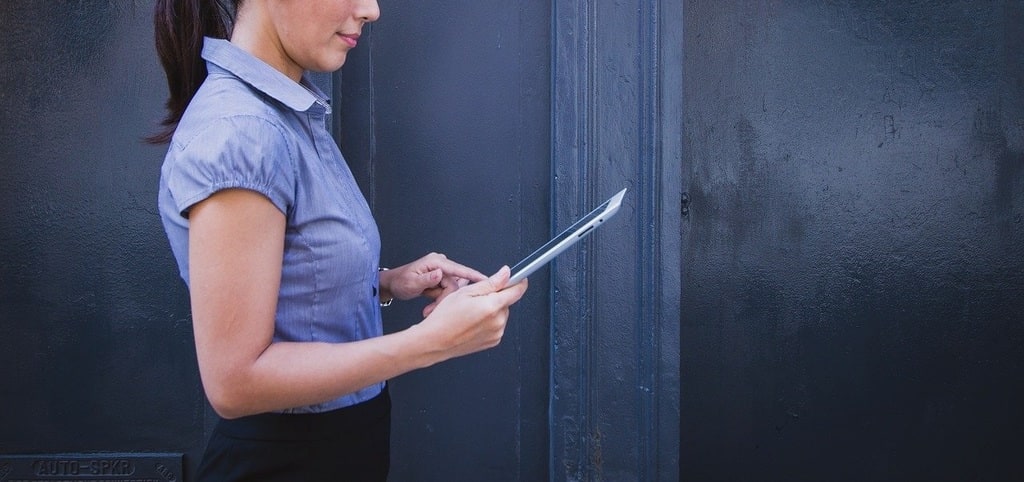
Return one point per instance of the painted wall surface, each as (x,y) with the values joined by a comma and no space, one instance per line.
(853,244)
(853,284)
(445,119)
(96,349)
(482,137)
(616,120)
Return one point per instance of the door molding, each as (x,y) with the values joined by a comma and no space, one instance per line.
(616,122)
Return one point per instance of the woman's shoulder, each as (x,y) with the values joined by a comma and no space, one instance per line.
(231,138)
(230,126)
(226,104)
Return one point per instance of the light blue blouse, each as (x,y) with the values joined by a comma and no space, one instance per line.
(249,126)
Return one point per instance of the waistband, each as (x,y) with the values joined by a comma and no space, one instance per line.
(309,426)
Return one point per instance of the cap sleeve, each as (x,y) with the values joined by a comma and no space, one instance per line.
(245,152)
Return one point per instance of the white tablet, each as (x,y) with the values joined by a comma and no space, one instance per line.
(566,238)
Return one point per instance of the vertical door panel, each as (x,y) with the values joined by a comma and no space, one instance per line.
(614,411)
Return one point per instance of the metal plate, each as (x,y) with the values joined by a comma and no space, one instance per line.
(93,467)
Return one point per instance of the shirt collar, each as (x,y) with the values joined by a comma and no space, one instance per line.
(260,75)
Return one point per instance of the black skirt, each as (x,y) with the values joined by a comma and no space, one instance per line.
(347,444)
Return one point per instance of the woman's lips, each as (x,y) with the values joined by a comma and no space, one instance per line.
(351,39)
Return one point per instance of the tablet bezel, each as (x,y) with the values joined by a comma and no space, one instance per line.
(568,237)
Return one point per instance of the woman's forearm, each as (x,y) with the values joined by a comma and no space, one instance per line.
(285,375)
(291,374)
(235,243)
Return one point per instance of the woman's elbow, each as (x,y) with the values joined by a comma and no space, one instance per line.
(228,401)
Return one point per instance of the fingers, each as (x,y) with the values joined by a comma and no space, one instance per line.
(473,318)
(447,286)
(493,284)
(433,275)
(430,278)
(497,287)
(451,268)
(512,294)
(427,310)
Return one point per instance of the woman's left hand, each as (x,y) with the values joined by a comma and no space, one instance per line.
(434,276)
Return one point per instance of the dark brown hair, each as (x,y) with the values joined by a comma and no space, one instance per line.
(179,27)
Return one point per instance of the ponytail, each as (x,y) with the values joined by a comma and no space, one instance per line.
(179,28)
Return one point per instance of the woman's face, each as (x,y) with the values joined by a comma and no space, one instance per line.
(313,34)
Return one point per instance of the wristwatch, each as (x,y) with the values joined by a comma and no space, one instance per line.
(391,299)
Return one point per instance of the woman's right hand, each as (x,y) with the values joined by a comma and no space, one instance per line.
(474,317)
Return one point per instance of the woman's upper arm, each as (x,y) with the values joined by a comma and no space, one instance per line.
(236,244)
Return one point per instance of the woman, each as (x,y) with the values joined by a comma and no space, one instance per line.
(280,251)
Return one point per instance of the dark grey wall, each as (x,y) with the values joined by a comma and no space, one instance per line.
(480,138)
(446,122)
(96,350)
(446,118)
(853,292)
(853,254)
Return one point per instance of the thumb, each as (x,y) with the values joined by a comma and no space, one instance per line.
(431,278)
(496,282)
